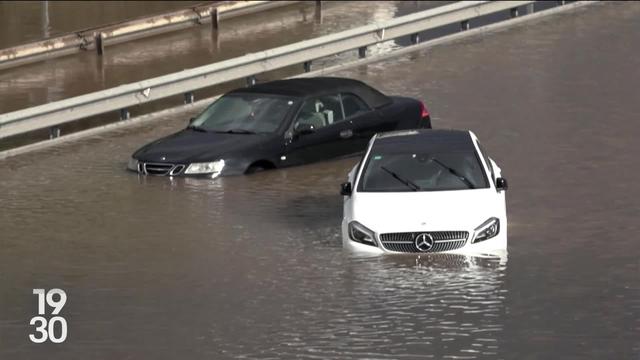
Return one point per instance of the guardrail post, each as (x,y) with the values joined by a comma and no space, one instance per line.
(318,11)
(251,80)
(99,43)
(415,38)
(514,12)
(54,132)
(188,97)
(362,52)
(215,19)
(561,3)
(125,114)
(307,66)
(464,25)
(530,9)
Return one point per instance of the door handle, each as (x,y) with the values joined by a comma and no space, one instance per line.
(345,134)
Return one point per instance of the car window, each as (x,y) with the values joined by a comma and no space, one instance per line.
(320,111)
(353,105)
(437,171)
(486,160)
(244,112)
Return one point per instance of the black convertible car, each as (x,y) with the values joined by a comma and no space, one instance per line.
(279,123)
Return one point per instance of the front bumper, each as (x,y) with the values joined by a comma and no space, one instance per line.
(496,245)
(167,169)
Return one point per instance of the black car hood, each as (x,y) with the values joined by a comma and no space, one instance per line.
(195,146)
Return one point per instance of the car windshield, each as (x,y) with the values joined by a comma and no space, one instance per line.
(437,171)
(244,114)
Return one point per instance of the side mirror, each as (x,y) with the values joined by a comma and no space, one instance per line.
(501,184)
(345,189)
(303,129)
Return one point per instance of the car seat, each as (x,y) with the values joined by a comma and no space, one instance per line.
(315,119)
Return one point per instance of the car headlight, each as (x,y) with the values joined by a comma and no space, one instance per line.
(132,164)
(487,230)
(362,234)
(206,167)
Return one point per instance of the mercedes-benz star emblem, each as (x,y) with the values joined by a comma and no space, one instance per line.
(424,242)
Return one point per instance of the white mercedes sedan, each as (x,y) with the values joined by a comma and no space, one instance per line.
(425,191)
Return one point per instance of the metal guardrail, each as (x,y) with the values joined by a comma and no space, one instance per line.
(98,38)
(184,82)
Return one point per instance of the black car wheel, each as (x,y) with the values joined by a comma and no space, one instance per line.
(254,169)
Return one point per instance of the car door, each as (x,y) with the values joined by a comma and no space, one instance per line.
(324,114)
(364,122)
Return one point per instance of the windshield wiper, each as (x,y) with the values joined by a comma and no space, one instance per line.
(455,173)
(240,131)
(408,183)
(196,128)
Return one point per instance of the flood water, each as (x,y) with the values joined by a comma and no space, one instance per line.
(252,266)
(26,21)
(74,75)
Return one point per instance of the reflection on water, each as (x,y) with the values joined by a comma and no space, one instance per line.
(438,304)
(390,307)
(26,21)
(253,266)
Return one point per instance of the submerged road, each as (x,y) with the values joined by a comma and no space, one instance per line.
(252,266)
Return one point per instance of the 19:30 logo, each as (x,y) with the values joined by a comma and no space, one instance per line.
(54,329)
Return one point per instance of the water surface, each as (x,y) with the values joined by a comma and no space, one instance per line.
(252,266)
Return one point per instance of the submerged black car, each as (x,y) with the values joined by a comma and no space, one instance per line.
(279,123)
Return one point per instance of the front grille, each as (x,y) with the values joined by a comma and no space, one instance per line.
(161,169)
(443,241)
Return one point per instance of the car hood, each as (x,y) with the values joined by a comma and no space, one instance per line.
(195,146)
(427,211)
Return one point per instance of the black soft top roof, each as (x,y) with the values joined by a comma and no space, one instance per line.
(424,141)
(315,86)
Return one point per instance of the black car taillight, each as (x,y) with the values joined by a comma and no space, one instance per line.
(425,118)
(423,110)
